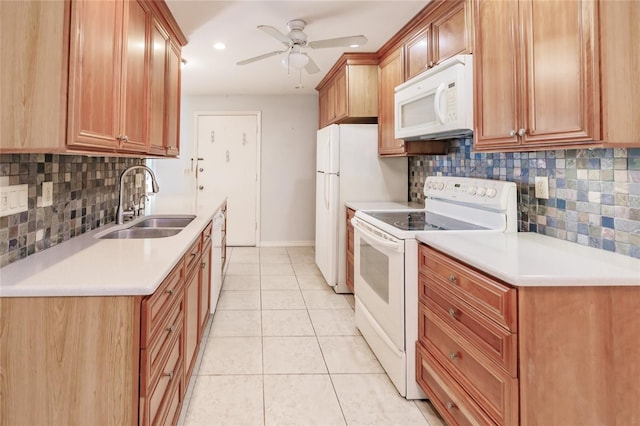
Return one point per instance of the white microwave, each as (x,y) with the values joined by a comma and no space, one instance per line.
(437,104)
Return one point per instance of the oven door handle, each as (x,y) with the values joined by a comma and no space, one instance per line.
(392,245)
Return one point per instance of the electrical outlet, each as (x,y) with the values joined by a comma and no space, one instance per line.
(542,187)
(47,194)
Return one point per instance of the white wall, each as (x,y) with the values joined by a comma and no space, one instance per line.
(289,125)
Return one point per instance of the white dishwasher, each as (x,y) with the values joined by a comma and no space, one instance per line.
(216,258)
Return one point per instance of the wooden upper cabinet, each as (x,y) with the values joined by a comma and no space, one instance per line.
(158,73)
(172,111)
(536,74)
(82,81)
(446,32)
(95,74)
(390,75)
(349,91)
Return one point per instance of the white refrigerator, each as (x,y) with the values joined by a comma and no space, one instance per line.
(348,169)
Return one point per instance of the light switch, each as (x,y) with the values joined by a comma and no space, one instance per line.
(14,199)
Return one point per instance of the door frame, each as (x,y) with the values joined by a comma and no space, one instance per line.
(258,116)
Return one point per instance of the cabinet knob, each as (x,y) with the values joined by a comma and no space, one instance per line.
(430,64)
(170,328)
(125,138)
(453,313)
(522,132)
(451,405)
(512,133)
(453,355)
(169,375)
(452,278)
(170,291)
(203,265)
(201,187)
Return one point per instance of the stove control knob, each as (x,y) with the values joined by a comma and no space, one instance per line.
(429,184)
(481,191)
(440,186)
(492,192)
(472,190)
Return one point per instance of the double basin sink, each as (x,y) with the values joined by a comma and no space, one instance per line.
(151,227)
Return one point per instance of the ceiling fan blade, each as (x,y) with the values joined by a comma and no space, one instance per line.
(275,33)
(358,40)
(311,66)
(257,58)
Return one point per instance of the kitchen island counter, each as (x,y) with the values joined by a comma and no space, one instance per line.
(88,266)
(526,259)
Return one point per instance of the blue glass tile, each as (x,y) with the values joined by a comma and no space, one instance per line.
(633,152)
(583,195)
(561,204)
(608,222)
(609,245)
(583,228)
(634,251)
(607,199)
(533,227)
(633,163)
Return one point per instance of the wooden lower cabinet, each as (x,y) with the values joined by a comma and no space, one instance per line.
(108,360)
(528,355)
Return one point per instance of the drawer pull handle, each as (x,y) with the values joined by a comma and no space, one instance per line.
(170,328)
(203,265)
(453,355)
(451,405)
(194,254)
(453,313)
(169,375)
(452,278)
(170,291)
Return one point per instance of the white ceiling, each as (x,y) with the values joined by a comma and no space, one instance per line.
(213,72)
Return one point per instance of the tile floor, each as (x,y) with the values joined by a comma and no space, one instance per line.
(283,349)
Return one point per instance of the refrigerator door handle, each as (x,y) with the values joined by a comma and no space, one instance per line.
(326,192)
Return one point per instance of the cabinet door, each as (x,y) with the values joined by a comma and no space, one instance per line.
(95,74)
(191,321)
(341,96)
(323,108)
(390,75)
(562,100)
(331,102)
(451,32)
(497,97)
(137,27)
(205,288)
(417,53)
(159,40)
(172,136)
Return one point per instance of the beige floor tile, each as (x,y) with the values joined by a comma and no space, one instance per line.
(301,400)
(276,269)
(238,301)
(245,258)
(301,251)
(229,400)
(276,299)
(292,355)
(334,322)
(286,323)
(243,269)
(272,250)
(241,282)
(312,282)
(236,324)
(232,355)
(302,258)
(429,413)
(348,354)
(244,250)
(324,299)
(274,258)
(279,282)
(306,269)
(368,399)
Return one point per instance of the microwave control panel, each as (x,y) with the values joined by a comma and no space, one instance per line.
(452,108)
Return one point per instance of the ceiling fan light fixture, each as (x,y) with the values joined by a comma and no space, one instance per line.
(219,46)
(295,60)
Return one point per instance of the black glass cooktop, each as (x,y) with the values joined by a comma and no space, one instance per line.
(422,221)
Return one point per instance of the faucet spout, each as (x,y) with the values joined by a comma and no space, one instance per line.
(154,188)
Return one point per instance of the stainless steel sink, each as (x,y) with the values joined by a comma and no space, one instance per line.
(164,222)
(130,233)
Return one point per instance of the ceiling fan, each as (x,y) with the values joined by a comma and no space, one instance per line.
(295,40)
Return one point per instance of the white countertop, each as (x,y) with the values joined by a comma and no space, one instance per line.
(86,266)
(383,205)
(526,259)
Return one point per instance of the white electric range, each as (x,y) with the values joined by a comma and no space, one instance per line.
(386,262)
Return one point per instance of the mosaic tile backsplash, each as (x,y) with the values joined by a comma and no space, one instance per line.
(85,197)
(594,194)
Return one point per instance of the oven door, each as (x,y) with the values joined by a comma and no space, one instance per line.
(379,281)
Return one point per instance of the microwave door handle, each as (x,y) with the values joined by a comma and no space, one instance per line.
(395,246)
(438,103)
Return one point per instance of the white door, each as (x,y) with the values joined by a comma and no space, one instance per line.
(227,166)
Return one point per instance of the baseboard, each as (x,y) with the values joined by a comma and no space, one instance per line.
(286,243)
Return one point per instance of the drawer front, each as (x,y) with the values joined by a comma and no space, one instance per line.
(152,358)
(173,404)
(494,391)
(171,371)
(192,257)
(494,341)
(158,305)
(491,298)
(451,401)
(207,234)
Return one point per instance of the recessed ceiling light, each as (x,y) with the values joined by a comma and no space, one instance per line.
(219,46)
(354,45)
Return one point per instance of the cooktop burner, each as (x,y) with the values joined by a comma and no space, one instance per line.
(422,221)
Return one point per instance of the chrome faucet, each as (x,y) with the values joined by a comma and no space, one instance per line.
(154,188)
